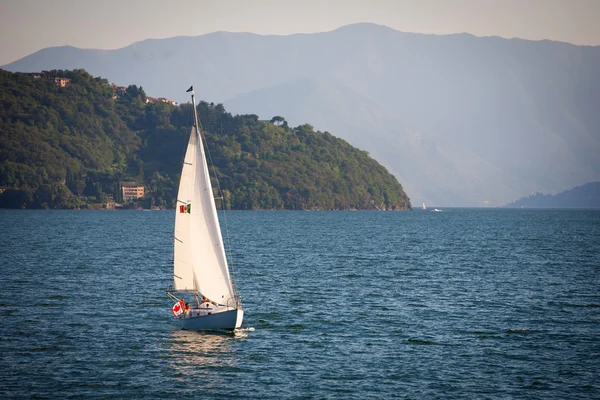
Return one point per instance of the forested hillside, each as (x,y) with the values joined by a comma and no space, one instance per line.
(70,147)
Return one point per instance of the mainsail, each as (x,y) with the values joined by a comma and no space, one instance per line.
(200,260)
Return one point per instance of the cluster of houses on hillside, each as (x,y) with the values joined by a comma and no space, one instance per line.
(121,90)
(160,99)
(118,91)
(62,82)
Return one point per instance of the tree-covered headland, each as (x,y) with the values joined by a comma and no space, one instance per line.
(72,147)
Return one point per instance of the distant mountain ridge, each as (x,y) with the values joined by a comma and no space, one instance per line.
(584,196)
(459,120)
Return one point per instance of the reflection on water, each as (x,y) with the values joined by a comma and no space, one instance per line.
(202,355)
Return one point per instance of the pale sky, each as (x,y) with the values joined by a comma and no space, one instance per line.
(30,25)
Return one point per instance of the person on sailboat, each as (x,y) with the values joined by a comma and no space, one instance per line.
(187,308)
(206,303)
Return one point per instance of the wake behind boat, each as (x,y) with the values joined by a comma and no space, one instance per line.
(201,271)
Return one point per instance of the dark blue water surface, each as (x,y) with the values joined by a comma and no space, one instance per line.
(455,304)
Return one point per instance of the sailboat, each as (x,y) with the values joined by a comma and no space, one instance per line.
(423,207)
(201,272)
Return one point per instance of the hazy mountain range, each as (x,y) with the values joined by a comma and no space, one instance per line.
(460,120)
(584,196)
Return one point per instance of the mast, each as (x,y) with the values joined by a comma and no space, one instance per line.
(196,116)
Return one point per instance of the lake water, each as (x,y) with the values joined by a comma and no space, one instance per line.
(465,303)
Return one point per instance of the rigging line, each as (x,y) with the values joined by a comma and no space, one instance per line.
(228,251)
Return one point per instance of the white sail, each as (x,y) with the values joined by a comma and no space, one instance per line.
(200,261)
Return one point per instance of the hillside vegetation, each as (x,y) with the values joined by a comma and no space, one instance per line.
(70,147)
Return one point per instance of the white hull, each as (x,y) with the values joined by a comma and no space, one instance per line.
(221,320)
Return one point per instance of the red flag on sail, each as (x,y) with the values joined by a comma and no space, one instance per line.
(177,308)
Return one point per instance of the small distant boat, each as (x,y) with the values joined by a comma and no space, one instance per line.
(201,271)
(437,210)
(423,207)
